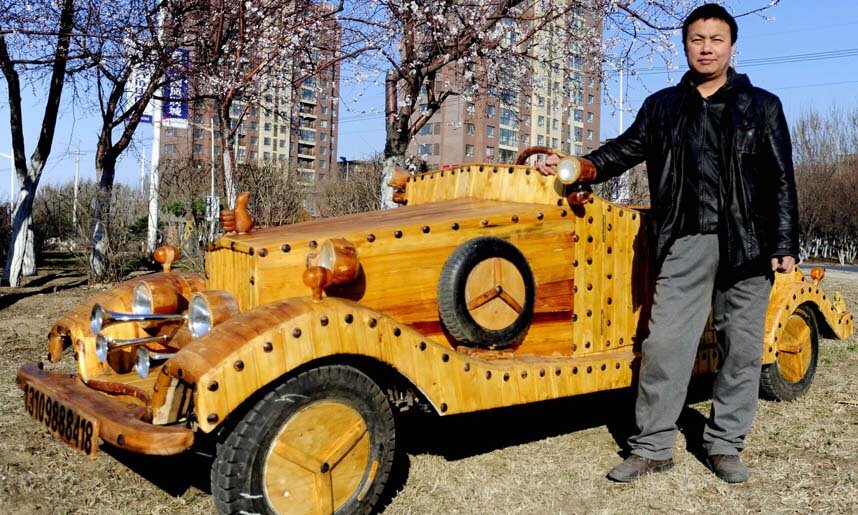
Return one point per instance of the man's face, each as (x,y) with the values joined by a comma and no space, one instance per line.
(709,48)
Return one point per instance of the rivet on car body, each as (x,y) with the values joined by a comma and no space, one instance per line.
(212,418)
(634,216)
(296,332)
(621,341)
(589,370)
(467,367)
(506,376)
(349,318)
(589,312)
(617,365)
(372,322)
(589,261)
(488,374)
(120,440)
(313,244)
(607,343)
(621,213)
(422,346)
(445,357)
(397,234)
(575,238)
(251,251)
(609,209)
(455,226)
(370,238)
(515,219)
(559,202)
(323,320)
(540,215)
(557,371)
(267,346)
(610,227)
(604,367)
(397,331)
(574,370)
(524,374)
(238,365)
(324,468)
(590,239)
(610,250)
(443,407)
(425,229)
(213,386)
(574,317)
(263,252)
(587,345)
(285,247)
(562,212)
(484,222)
(252,280)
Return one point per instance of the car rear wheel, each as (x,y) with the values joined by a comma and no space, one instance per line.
(791,375)
(322,442)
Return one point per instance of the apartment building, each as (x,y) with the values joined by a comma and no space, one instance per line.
(558,107)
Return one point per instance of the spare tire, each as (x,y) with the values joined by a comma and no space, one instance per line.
(486,294)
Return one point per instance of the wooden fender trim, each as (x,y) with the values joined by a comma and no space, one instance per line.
(72,328)
(253,349)
(791,292)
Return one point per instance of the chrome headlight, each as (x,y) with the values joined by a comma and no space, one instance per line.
(209,308)
(199,316)
(154,298)
(142,363)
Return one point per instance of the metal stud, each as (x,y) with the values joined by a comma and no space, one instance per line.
(397,234)
(349,318)
(540,215)
(425,229)
(267,346)
(296,332)
(238,365)
(323,320)
(213,386)
(313,244)
(372,322)
(370,238)
(212,418)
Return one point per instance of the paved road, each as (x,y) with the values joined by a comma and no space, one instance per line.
(829,266)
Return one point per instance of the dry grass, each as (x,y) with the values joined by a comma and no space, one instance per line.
(549,458)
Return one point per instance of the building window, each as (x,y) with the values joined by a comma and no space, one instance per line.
(554,124)
(266,141)
(590,116)
(579,133)
(490,131)
(540,100)
(169,148)
(254,140)
(323,164)
(198,133)
(578,115)
(252,155)
(507,117)
(198,149)
(323,137)
(424,150)
(324,110)
(540,139)
(266,155)
(470,130)
(267,126)
(490,111)
(589,135)
(469,150)
(426,130)
(490,153)
(525,139)
(590,99)
(323,151)
(169,133)
(508,137)
(554,143)
(324,124)
(436,128)
(198,118)
(540,122)
(471,109)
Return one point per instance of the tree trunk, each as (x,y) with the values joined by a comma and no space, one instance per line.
(19,259)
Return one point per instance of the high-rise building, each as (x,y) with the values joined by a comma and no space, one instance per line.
(290,122)
(558,107)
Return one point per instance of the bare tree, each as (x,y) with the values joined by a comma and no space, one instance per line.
(429,52)
(41,34)
(125,39)
(244,51)
(359,192)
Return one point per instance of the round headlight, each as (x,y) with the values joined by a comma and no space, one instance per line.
(101,348)
(96,318)
(142,363)
(199,316)
(141,300)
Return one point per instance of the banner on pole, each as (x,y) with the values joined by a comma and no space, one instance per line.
(137,84)
(175,105)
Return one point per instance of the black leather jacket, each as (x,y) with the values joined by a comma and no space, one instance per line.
(759,207)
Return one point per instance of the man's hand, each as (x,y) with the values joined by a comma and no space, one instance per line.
(549,166)
(783,264)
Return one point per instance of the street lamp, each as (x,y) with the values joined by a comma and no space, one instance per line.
(210,215)
(346,164)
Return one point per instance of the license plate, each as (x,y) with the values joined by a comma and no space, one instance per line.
(63,421)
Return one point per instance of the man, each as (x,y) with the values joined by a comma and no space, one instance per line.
(724,219)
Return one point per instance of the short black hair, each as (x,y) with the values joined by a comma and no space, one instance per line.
(708,12)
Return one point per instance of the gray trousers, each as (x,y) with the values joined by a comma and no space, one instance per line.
(686,289)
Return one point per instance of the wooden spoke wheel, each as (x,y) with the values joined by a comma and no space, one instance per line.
(322,442)
(791,375)
(486,294)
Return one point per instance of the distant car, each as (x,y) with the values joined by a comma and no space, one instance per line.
(301,344)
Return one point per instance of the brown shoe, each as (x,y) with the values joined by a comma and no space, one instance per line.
(636,466)
(729,468)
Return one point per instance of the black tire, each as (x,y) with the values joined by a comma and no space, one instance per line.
(453,306)
(773,384)
(237,477)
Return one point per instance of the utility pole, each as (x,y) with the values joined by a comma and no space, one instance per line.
(76,182)
(154,179)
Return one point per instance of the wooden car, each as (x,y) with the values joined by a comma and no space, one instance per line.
(493,286)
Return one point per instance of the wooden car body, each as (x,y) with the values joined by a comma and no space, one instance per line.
(591,292)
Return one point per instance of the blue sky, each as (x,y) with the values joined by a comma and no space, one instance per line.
(800,27)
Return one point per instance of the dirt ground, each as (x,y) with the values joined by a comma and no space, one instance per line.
(549,458)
